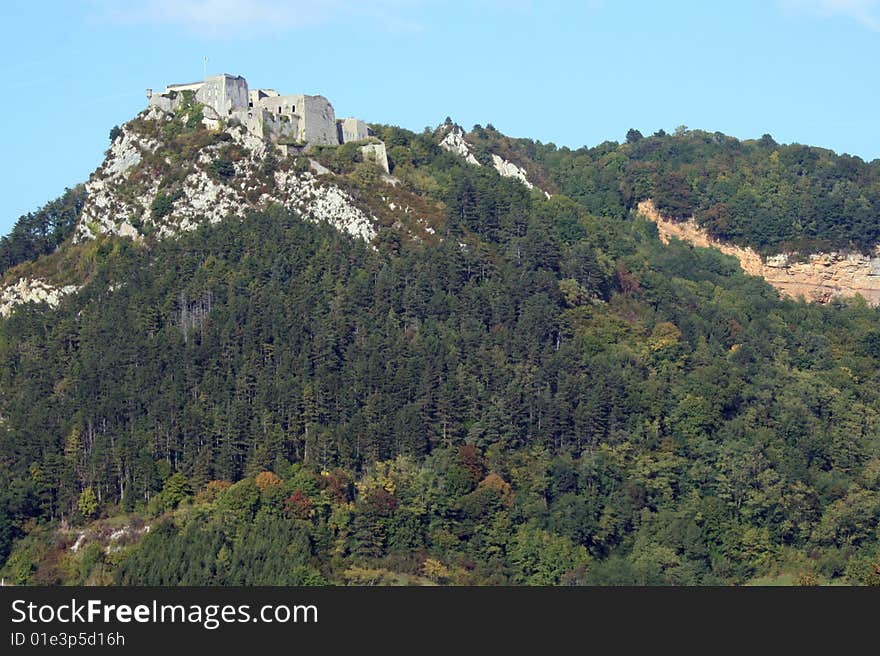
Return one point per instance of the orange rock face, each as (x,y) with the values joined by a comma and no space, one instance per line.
(820,278)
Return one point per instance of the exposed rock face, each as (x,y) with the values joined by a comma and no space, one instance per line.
(116,204)
(456,144)
(323,203)
(510,170)
(105,210)
(820,278)
(104,535)
(125,152)
(122,194)
(31,291)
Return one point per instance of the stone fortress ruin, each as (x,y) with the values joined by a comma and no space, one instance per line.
(290,121)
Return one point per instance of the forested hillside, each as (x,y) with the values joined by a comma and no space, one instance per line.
(540,393)
(756,193)
(41,232)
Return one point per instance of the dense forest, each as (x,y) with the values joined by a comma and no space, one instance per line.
(543,395)
(757,193)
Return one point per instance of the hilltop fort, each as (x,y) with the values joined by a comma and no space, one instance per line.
(298,120)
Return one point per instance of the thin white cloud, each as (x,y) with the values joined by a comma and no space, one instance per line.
(247,18)
(865,12)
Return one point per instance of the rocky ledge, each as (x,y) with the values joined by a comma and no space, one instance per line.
(817,277)
(31,291)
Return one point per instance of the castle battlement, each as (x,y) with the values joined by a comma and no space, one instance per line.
(299,118)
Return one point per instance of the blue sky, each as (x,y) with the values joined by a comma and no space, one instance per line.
(572,73)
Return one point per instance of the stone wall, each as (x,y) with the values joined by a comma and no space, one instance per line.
(263,123)
(280,105)
(266,114)
(163,102)
(256,95)
(352,129)
(318,121)
(224,93)
(189,86)
(376,153)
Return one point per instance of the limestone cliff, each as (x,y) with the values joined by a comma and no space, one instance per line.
(165,174)
(510,170)
(26,290)
(456,143)
(123,192)
(819,277)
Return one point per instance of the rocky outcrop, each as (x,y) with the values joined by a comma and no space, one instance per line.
(510,170)
(26,290)
(119,204)
(456,144)
(123,191)
(321,202)
(106,211)
(105,535)
(818,277)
